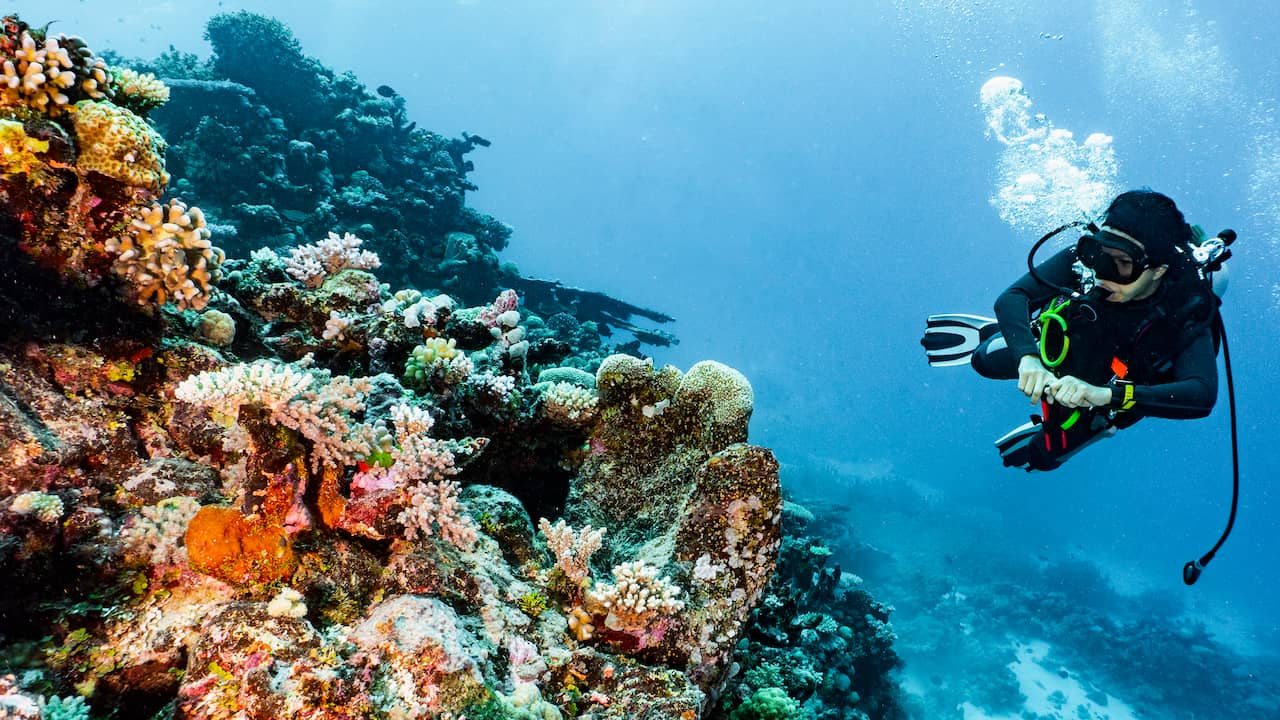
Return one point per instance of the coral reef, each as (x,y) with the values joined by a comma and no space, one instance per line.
(278,150)
(820,646)
(80,174)
(276,486)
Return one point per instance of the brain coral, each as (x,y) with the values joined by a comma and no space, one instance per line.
(120,145)
(720,398)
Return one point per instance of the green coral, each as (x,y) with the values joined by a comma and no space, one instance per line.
(436,360)
(771,703)
(532,603)
(70,708)
(573,375)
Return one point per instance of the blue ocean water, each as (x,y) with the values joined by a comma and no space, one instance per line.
(801,183)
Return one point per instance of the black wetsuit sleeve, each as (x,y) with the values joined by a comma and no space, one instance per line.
(1015,305)
(1193,390)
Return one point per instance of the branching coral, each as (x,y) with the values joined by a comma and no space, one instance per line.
(167,256)
(419,466)
(43,505)
(312,263)
(568,404)
(45,73)
(335,328)
(433,509)
(573,548)
(638,598)
(503,320)
(419,311)
(318,407)
(500,389)
(437,361)
(139,92)
(155,536)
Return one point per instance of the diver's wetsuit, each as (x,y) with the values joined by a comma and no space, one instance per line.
(1168,383)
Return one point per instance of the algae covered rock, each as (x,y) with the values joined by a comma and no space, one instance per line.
(670,478)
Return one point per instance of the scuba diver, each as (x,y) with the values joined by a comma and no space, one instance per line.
(1121,326)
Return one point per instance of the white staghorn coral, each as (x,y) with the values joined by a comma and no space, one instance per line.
(638,597)
(311,264)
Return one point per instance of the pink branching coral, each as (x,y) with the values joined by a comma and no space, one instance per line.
(573,548)
(434,509)
(507,301)
(417,466)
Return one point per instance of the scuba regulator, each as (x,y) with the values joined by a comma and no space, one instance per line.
(1207,256)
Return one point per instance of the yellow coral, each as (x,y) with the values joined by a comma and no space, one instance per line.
(18,153)
(120,145)
(167,256)
(434,348)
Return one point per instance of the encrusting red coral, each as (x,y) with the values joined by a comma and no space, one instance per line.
(225,544)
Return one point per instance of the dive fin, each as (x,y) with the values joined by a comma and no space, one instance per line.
(1015,445)
(1017,448)
(950,338)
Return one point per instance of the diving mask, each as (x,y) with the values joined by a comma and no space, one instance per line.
(1123,267)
